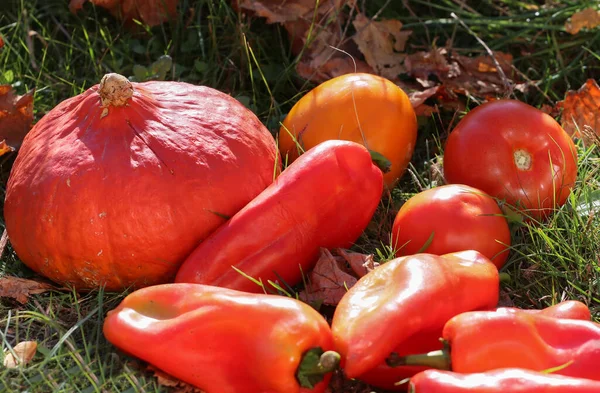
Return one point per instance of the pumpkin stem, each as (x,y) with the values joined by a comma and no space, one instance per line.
(115,90)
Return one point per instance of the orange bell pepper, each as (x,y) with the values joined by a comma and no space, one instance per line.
(409,296)
(480,341)
(499,381)
(226,341)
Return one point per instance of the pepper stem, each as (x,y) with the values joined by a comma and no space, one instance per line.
(314,365)
(436,359)
(114,90)
(379,159)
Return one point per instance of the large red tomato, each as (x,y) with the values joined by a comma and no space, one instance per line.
(514,152)
(452,218)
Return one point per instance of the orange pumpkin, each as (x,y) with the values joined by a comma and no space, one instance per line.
(358,107)
(117,185)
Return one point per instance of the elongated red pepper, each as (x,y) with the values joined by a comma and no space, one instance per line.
(499,381)
(405,296)
(326,198)
(387,377)
(226,341)
(569,309)
(480,341)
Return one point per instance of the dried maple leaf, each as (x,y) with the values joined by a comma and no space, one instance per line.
(16,117)
(151,12)
(480,75)
(176,385)
(21,354)
(581,109)
(587,18)
(328,281)
(21,288)
(381,42)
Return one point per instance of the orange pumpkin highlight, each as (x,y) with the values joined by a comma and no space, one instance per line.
(117,185)
(358,107)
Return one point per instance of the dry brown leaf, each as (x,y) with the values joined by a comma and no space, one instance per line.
(587,18)
(381,42)
(328,281)
(21,288)
(151,12)
(360,264)
(16,117)
(418,98)
(320,60)
(480,75)
(581,109)
(23,354)
(176,385)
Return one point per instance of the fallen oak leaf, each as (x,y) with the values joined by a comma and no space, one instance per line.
(20,288)
(150,12)
(588,18)
(381,42)
(21,354)
(328,281)
(316,34)
(581,109)
(360,264)
(16,117)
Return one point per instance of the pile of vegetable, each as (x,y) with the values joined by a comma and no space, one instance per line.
(178,192)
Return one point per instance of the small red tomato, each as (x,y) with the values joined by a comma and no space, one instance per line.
(513,152)
(452,218)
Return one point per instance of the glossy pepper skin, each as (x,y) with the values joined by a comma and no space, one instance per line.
(405,296)
(218,339)
(511,380)
(325,198)
(384,376)
(480,341)
(569,309)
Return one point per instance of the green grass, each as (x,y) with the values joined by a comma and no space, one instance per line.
(61,55)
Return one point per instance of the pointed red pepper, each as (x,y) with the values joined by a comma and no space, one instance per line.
(480,341)
(404,297)
(226,341)
(326,198)
(384,376)
(499,381)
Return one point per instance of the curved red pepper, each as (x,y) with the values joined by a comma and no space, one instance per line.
(225,341)
(405,296)
(569,309)
(326,198)
(384,376)
(499,381)
(486,340)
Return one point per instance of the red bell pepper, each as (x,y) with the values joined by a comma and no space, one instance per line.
(226,341)
(409,297)
(325,199)
(499,381)
(480,341)
(384,376)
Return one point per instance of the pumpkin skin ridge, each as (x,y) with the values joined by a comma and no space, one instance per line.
(55,130)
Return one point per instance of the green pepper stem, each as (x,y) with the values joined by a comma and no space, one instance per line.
(379,159)
(504,278)
(436,359)
(314,365)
